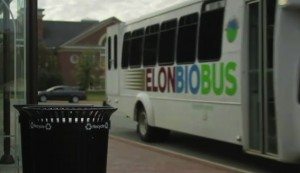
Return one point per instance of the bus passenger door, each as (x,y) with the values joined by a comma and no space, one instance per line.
(112,64)
(261,106)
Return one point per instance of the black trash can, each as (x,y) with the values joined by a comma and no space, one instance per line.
(62,139)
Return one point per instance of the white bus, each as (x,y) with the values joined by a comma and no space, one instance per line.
(227,70)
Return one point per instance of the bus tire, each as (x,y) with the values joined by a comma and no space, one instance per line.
(148,133)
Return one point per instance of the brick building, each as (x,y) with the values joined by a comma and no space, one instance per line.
(70,40)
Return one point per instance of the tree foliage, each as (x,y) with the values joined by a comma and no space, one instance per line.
(86,68)
(48,73)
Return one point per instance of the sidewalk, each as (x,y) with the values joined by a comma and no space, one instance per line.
(126,156)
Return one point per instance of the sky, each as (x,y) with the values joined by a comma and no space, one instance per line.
(125,10)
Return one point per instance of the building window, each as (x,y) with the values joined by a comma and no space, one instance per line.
(103,41)
(74,59)
(151,45)
(187,34)
(211,31)
(102,51)
(135,59)
(167,42)
(102,44)
(126,50)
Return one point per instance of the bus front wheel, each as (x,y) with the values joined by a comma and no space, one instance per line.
(148,133)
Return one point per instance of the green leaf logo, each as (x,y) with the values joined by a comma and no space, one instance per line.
(232,30)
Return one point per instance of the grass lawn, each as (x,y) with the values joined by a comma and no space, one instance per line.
(95,95)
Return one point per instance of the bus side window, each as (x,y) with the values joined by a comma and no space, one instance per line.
(115,51)
(167,42)
(126,50)
(186,42)
(135,59)
(109,53)
(151,45)
(211,31)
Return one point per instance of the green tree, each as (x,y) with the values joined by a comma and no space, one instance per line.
(48,73)
(86,68)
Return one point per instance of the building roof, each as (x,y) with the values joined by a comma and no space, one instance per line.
(57,33)
(62,33)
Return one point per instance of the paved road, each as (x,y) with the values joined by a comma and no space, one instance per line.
(213,151)
(218,152)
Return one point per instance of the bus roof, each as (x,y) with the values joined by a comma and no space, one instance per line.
(163,11)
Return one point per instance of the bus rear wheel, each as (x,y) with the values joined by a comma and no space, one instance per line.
(148,133)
